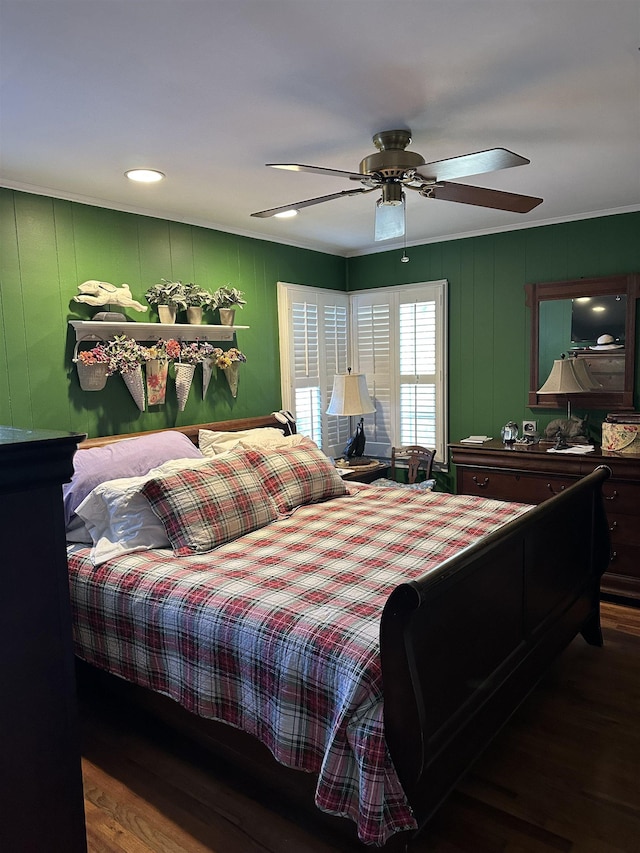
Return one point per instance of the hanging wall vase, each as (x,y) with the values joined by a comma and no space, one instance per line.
(133,381)
(207,369)
(156,370)
(232,373)
(92,377)
(92,374)
(184,378)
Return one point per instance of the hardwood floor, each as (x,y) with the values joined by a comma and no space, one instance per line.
(564,775)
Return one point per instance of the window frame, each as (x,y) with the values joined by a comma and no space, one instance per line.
(339,429)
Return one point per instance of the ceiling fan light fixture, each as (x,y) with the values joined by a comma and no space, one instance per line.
(389,219)
(145,176)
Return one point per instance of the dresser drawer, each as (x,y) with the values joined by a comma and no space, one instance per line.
(625,560)
(624,529)
(623,498)
(510,485)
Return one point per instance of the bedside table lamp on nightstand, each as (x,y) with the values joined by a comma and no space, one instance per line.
(349,397)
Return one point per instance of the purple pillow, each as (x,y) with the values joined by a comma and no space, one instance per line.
(129,457)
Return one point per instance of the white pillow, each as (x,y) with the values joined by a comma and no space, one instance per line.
(278,443)
(211,443)
(120,519)
(77,532)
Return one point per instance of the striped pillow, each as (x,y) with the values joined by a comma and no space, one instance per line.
(216,503)
(297,475)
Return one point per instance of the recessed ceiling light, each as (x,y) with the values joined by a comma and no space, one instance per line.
(144,176)
(286,214)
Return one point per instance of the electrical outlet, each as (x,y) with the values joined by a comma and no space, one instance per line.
(529,427)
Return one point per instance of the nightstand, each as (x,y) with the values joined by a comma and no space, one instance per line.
(365,473)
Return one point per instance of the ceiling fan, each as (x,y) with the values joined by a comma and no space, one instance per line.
(392,170)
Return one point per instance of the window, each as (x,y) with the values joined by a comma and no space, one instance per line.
(396,336)
(313,347)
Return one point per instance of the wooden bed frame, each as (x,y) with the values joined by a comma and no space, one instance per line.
(454,671)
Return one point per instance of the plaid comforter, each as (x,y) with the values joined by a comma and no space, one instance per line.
(277,632)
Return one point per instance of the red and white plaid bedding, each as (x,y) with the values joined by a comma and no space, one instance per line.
(277,632)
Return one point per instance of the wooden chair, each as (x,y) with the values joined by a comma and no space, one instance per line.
(416,457)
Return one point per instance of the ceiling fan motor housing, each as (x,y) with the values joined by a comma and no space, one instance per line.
(391,161)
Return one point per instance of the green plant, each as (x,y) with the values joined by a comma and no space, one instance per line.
(228,297)
(198,297)
(171,293)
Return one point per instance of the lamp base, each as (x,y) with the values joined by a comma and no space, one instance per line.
(354,461)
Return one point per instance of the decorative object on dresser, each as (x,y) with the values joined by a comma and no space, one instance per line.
(621,432)
(529,473)
(350,396)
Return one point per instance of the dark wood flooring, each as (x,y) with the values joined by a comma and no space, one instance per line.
(564,775)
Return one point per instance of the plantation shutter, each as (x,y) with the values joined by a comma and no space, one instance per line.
(314,346)
(399,342)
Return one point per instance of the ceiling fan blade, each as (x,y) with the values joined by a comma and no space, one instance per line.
(482,197)
(471,164)
(317,170)
(310,201)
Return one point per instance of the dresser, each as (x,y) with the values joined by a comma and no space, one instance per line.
(42,804)
(529,474)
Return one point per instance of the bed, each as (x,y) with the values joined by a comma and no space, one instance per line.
(376,639)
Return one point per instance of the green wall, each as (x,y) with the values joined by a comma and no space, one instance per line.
(488,321)
(49,246)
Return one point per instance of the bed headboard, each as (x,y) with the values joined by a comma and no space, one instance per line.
(190,431)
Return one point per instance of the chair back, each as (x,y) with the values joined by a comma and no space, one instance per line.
(416,457)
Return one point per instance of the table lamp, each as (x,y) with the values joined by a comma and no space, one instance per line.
(563,381)
(349,397)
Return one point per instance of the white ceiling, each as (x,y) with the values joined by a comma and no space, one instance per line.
(208,91)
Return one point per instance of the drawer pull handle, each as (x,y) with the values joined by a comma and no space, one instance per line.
(611,497)
(614,555)
(482,485)
(553,491)
(613,526)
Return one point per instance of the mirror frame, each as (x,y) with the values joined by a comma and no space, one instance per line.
(605,286)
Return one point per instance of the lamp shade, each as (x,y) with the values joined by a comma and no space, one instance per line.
(563,379)
(350,395)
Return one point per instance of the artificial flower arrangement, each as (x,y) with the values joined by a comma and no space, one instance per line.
(126,356)
(229,362)
(224,360)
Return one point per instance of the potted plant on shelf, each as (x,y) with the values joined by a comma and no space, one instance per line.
(196,298)
(226,300)
(169,297)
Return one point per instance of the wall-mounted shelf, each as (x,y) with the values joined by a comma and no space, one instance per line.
(102,330)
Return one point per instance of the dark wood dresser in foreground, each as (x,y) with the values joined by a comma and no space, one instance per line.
(41,805)
(529,474)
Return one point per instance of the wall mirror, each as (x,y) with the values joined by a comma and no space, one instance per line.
(569,317)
